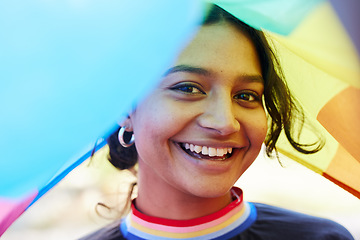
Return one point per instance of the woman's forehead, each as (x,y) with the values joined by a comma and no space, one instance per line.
(220,47)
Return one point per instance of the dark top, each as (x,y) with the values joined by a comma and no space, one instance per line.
(272,223)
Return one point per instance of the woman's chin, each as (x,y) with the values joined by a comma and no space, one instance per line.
(211,190)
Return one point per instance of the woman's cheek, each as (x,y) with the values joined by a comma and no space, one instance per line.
(259,126)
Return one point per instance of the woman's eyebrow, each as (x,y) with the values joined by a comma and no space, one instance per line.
(205,72)
(252,78)
(189,69)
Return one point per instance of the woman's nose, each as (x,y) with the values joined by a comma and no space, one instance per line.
(219,116)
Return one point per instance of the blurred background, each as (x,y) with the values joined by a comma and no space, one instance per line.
(71,209)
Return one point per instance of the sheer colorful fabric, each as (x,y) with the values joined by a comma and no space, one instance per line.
(78,72)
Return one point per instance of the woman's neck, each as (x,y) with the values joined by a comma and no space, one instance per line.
(155,199)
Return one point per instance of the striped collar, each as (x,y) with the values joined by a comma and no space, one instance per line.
(224,224)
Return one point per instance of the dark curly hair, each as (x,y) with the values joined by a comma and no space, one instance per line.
(281,107)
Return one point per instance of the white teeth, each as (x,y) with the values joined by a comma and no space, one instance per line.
(210,151)
(192,147)
(197,149)
(205,151)
(220,152)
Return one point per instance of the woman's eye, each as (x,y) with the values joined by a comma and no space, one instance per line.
(249,97)
(187,88)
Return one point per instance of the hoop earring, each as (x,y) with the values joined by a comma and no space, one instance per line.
(121,138)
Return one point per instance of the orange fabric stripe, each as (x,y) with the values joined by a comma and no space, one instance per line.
(340,117)
(342,185)
(344,170)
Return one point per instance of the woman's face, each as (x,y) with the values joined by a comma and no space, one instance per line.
(203,126)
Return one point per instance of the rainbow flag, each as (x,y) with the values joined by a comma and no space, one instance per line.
(70,69)
(321,65)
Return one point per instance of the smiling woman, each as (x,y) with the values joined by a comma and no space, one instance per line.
(199,131)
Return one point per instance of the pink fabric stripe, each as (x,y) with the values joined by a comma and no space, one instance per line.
(188,229)
(11,209)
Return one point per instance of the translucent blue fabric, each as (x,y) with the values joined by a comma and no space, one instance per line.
(70,69)
(279,16)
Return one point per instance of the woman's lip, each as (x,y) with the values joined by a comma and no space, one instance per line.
(208,166)
(200,156)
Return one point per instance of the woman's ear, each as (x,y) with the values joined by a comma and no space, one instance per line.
(127,123)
